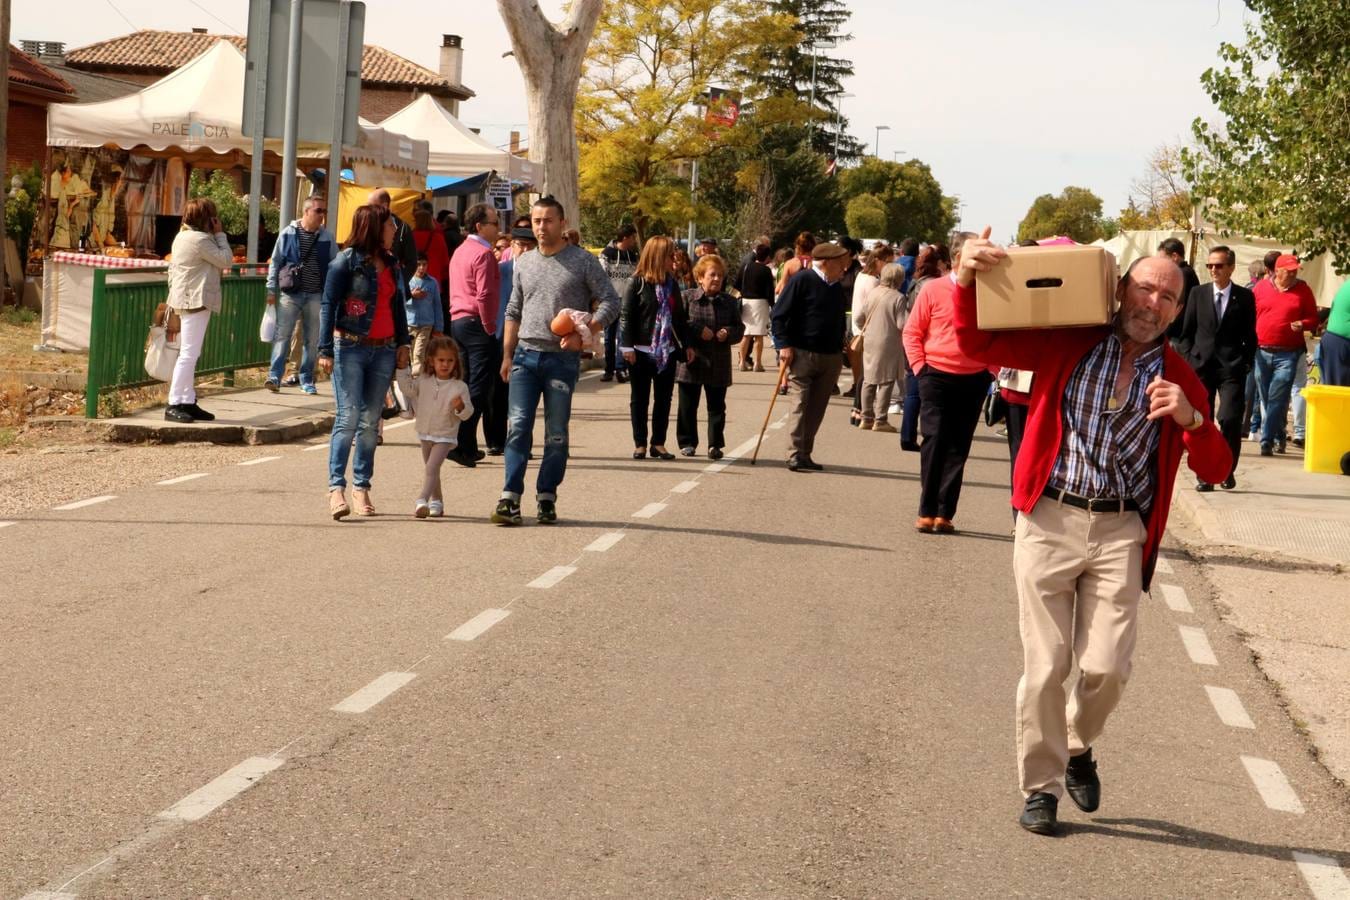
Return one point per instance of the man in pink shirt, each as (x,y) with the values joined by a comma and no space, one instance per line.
(952,388)
(475,288)
(1285,310)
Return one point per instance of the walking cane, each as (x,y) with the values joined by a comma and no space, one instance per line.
(782,369)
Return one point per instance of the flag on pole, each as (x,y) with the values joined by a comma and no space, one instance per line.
(831,168)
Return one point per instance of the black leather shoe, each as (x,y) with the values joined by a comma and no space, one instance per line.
(459,457)
(1080,780)
(1229,483)
(795,465)
(178,413)
(198,413)
(715,453)
(1281,446)
(1204,487)
(621,377)
(1039,816)
(608,376)
(909,446)
(809,463)
(495,451)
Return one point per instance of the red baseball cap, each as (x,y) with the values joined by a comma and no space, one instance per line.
(1288,261)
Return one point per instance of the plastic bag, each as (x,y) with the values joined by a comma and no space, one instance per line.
(267,328)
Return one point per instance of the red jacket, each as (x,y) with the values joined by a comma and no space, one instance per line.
(1053,354)
(1276,310)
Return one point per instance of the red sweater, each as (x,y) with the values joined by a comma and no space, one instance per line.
(1053,354)
(1277,309)
(929,336)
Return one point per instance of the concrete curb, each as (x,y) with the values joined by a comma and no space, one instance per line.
(1217,548)
(130,432)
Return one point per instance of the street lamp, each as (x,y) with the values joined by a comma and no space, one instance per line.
(827,42)
(876,146)
(895,155)
(839,121)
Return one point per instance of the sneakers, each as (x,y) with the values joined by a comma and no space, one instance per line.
(272,385)
(421,510)
(290,381)
(177,412)
(548,513)
(507,512)
(886,427)
(309,389)
(436,509)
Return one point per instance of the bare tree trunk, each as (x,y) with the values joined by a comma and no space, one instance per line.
(550,58)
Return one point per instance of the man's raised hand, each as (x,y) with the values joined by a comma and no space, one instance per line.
(978,255)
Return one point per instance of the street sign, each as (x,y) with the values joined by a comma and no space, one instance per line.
(499,195)
(325,60)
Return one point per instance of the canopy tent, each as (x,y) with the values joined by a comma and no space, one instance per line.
(458,152)
(441,186)
(197,110)
(1318,273)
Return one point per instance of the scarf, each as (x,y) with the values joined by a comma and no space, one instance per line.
(664,329)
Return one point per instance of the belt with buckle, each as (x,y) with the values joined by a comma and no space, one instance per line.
(1091,504)
(363,341)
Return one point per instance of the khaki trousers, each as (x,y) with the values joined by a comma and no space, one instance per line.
(812,376)
(1079,580)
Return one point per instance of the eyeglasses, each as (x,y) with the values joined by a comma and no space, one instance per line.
(1216,265)
(321,211)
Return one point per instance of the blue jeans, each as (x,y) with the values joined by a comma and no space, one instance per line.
(614,361)
(293,308)
(1252,425)
(534,374)
(361,377)
(1275,382)
(1296,396)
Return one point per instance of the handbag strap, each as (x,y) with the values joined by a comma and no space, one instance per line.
(304,259)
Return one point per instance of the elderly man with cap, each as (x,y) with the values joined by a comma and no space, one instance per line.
(1285,311)
(1112,410)
(809,327)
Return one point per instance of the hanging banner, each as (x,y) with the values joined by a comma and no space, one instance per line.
(724,107)
(499,195)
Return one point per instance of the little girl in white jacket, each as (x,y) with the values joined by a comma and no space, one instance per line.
(441,401)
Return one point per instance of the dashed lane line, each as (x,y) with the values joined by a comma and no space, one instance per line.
(1272,785)
(222,789)
(649,511)
(1197,646)
(324,446)
(551,577)
(1163,566)
(684,487)
(714,468)
(1175,597)
(1326,879)
(477,625)
(402,424)
(7,524)
(259,461)
(1229,707)
(181,478)
(604,542)
(373,693)
(81,504)
(745,447)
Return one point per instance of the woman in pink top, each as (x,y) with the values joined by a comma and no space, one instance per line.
(952,388)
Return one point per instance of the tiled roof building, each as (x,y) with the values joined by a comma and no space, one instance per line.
(32,86)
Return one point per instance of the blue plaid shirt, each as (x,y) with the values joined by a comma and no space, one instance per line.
(1108,451)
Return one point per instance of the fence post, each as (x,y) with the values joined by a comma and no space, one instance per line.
(93,384)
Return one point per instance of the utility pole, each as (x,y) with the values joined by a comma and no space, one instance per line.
(4,152)
(838,123)
(876,146)
(289,134)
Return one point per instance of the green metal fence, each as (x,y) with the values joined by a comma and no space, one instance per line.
(123,306)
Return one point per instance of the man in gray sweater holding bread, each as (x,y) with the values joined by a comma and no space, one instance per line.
(539,363)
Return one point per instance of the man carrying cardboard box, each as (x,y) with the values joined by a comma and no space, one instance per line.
(1112,408)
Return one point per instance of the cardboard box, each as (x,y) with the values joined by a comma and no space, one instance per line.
(1047,287)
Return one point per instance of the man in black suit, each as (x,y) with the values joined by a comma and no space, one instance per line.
(1173,249)
(1218,339)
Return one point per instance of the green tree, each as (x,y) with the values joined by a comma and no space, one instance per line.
(915,206)
(1278,166)
(648,70)
(1076,212)
(866,216)
(217,185)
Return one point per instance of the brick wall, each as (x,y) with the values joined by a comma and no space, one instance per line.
(27,135)
(378,104)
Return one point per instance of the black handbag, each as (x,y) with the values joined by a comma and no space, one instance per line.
(995,407)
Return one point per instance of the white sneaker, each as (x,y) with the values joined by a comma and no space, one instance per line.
(437,509)
(895,410)
(420,510)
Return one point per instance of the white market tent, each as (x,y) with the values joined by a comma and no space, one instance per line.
(456,151)
(198,108)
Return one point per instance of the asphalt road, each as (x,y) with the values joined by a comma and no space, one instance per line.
(764,685)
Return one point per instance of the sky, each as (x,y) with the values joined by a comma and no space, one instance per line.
(1007,102)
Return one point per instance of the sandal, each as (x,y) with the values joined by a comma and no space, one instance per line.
(361,501)
(337,504)
(660,453)
(640,453)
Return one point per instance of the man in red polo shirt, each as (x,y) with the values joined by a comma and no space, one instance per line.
(475,294)
(1285,310)
(1112,407)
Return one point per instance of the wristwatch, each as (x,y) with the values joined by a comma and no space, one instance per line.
(1197,419)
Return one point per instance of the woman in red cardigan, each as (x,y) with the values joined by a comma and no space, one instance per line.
(1112,407)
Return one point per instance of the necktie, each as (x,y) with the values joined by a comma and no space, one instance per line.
(1218,305)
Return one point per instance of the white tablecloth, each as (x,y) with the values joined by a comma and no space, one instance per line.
(68,295)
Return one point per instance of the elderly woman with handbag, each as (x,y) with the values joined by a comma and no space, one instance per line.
(713,325)
(199,252)
(879,320)
(363,337)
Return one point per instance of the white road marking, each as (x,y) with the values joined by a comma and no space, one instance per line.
(180,479)
(1174,595)
(716,467)
(374,692)
(7,524)
(684,487)
(604,542)
(259,461)
(48,895)
(1163,565)
(81,504)
(776,425)
(401,424)
(477,625)
(1229,707)
(648,511)
(551,577)
(1197,646)
(323,446)
(1271,784)
(224,788)
(745,447)
(1325,878)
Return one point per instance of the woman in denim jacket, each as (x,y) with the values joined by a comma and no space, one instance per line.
(363,336)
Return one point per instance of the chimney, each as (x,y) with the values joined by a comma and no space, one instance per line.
(515,143)
(452,59)
(199,31)
(46,51)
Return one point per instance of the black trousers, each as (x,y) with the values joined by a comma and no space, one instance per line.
(653,388)
(686,422)
(494,417)
(947,418)
(477,350)
(1230,389)
(614,361)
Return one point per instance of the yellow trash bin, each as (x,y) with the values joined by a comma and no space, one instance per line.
(1328,428)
